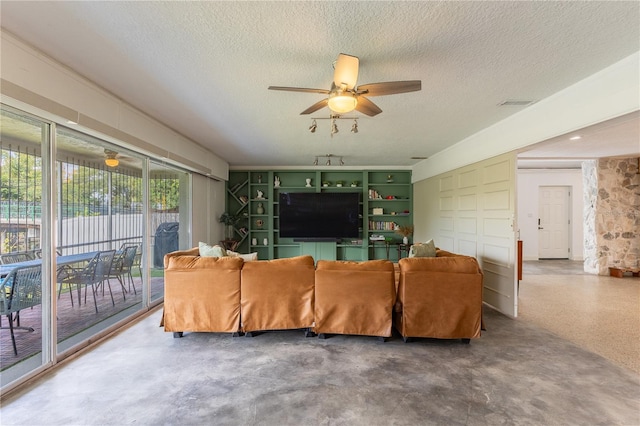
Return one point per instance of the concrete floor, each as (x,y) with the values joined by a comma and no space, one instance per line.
(517,374)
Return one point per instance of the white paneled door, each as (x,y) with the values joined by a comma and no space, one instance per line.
(553,222)
(471,211)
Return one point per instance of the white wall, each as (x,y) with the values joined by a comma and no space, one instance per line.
(607,94)
(528,182)
(39,85)
(208,205)
(31,77)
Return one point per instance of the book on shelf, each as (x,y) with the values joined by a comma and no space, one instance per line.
(375,225)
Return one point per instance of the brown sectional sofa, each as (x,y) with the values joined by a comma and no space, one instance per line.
(435,297)
(439,297)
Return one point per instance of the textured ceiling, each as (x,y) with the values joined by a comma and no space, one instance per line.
(203,68)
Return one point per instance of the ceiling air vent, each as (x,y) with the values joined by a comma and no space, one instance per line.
(516,102)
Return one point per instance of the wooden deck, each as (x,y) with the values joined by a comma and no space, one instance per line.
(71,319)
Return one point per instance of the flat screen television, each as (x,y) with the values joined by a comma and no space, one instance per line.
(318,216)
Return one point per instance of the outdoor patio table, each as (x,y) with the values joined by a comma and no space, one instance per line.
(60,261)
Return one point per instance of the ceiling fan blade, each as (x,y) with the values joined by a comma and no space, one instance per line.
(299,89)
(315,107)
(367,107)
(346,71)
(390,87)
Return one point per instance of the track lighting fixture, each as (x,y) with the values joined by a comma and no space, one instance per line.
(329,157)
(334,124)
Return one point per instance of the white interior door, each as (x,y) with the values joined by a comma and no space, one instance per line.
(553,222)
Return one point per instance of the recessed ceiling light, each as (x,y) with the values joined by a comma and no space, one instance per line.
(575,138)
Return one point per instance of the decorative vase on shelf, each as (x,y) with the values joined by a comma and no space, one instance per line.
(228,232)
(405,240)
(260,209)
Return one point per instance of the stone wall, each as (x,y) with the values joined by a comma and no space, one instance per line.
(612,214)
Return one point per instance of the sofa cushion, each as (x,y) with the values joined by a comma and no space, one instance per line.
(207,250)
(427,249)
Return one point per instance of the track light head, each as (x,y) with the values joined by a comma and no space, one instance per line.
(313,126)
(334,127)
(354,127)
(315,162)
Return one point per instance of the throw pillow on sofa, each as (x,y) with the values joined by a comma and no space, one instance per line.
(427,249)
(246,257)
(207,250)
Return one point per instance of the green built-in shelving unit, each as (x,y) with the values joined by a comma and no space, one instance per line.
(386,201)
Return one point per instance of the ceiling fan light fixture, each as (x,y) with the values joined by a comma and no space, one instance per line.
(111,160)
(342,102)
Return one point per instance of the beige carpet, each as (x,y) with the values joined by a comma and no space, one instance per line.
(600,314)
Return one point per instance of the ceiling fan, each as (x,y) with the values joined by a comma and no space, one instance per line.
(344,96)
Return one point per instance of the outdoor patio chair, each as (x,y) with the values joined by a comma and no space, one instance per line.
(63,272)
(15,257)
(117,271)
(21,289)
(137,260)
(129,259)
(38,253)
(93,274)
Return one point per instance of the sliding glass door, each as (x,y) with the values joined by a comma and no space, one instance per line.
(23,303)
(99,212)
(93,220)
